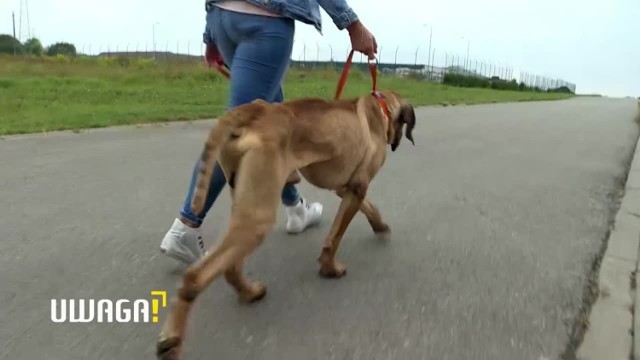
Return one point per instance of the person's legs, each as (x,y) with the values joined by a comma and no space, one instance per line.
(257,50)
(183,241)
(300,213)
(290,195)
(258,66)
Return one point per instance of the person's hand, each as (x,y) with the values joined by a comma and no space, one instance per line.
(212,55)
(362,40)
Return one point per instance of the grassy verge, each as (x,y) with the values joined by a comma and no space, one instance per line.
(47,94)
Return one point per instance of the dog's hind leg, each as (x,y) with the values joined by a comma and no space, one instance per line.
(372,213)
(352,198)
(373,216)
(248,292)
(242,238)
(252,217)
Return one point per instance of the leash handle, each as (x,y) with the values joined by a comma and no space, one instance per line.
(222,68)
(218,62)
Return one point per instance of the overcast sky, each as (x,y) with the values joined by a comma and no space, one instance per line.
(593,43)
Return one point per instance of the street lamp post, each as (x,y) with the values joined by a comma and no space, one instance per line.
(468,63)
(430,37)
(153,29)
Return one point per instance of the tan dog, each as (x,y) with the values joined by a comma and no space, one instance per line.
(336,145)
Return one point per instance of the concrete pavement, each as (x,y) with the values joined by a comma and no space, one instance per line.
(613,320)
(497,215)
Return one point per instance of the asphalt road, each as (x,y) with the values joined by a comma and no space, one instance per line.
(496,214)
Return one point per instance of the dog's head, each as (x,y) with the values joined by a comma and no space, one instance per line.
(402,115)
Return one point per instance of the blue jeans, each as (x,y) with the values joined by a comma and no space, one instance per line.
(257,50)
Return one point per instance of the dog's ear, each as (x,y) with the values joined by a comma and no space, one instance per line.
(406,117)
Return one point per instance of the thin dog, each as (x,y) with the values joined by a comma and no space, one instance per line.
(337,145)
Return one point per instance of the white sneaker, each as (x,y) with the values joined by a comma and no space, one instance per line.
(183,243)
(302,215)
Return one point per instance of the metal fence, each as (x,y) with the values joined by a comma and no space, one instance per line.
(428,64)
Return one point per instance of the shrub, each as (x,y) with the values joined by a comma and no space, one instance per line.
(62,58)
(466,80)
(561,89)
(500,84)
(10,45)
(121,61)
(483,82)
(62,48)
(33,46)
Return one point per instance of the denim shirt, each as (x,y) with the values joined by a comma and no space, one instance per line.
(306,11)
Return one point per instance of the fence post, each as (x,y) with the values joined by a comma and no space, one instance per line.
(395,60)
(333,65)
(433,59)
(444,70)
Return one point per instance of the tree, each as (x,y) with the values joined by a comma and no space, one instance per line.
(62,48)
(33,46)
(10,45)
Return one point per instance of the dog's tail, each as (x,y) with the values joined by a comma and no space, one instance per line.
(208,159)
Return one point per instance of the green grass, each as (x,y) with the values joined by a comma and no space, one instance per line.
(47,94)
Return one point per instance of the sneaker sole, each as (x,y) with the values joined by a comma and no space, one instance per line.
(309,226)
(176,256)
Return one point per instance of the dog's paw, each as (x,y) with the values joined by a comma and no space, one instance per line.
(168,349)
(255,292)
(333,271)
(381,228)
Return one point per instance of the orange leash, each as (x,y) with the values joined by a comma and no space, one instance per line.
(374,78)
(222,68)
(218,62)
(345,73)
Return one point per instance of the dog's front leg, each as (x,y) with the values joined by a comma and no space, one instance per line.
(352,199)
(247,291)
(372,213)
